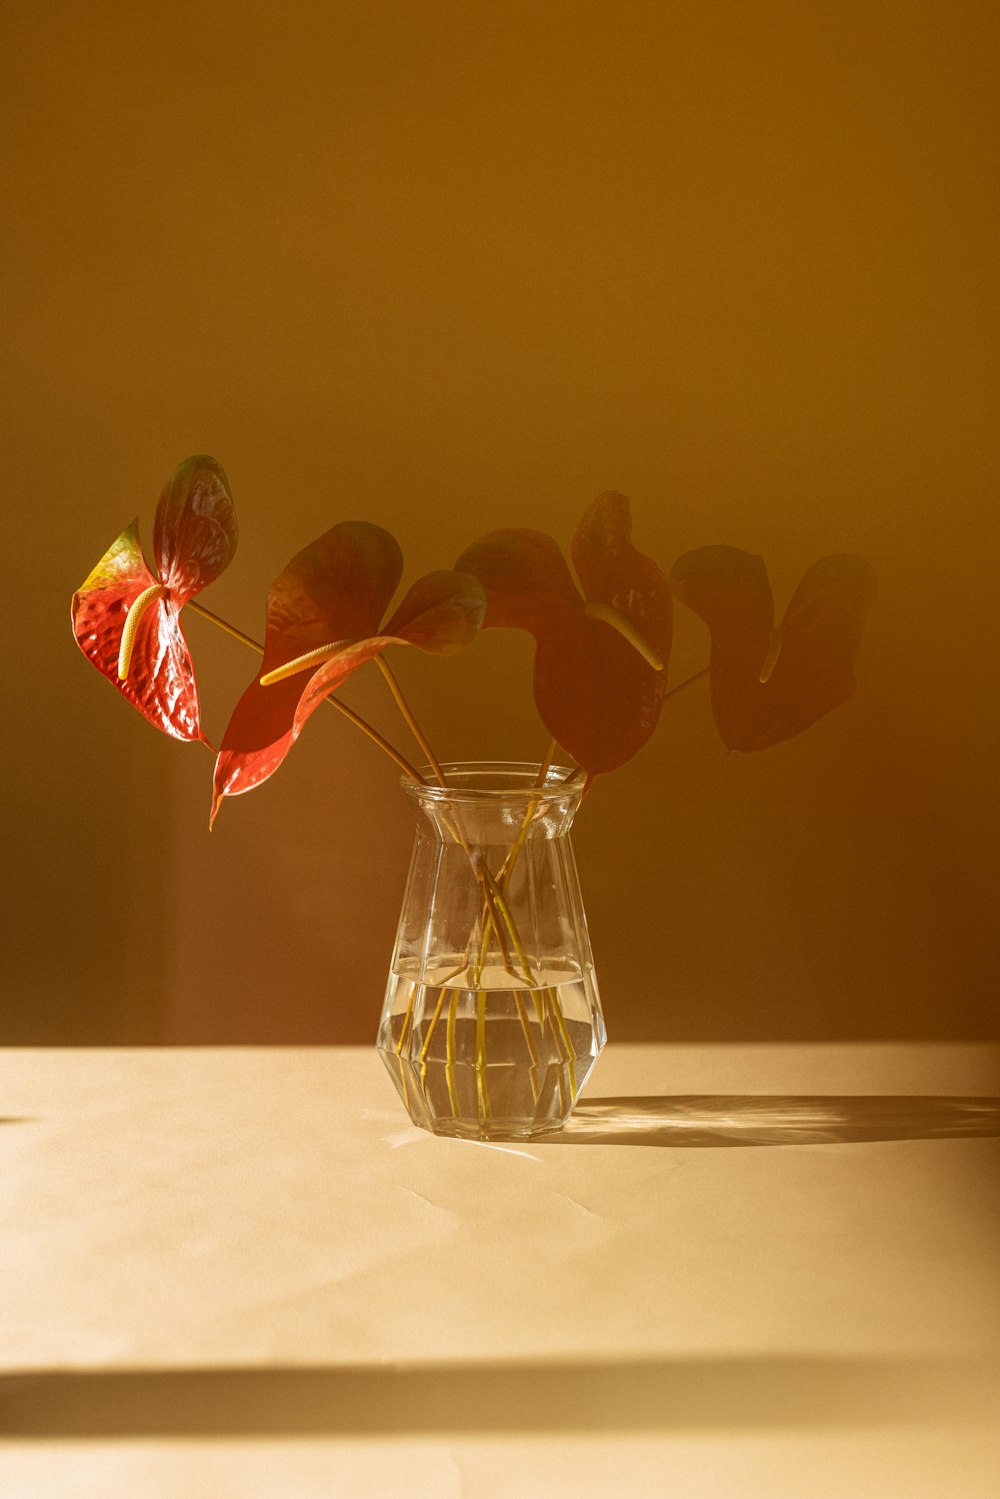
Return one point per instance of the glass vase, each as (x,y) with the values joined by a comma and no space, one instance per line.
(492,1020)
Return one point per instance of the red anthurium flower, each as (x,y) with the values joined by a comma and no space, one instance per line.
(600,662)
(323,621)
(126,620)
(769,684)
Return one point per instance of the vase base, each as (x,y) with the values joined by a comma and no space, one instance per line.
(493,1131)
(496,1101)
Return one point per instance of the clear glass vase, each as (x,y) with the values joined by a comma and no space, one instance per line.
(492,1020)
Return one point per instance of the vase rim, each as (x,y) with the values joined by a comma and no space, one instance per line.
(496,781)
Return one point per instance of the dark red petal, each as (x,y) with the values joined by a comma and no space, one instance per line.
(195,532)
(268,720)
(813,654)
(613,572)
(594,692)
(442,612)
(596,695)
(161,681)
(337,588)
(525,577)
(259,735)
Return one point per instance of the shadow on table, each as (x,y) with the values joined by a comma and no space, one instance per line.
(629,1395)
(750,1119)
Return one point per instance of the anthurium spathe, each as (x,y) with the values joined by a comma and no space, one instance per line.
(127,620)
(324,621)
(601,656)
(769,683)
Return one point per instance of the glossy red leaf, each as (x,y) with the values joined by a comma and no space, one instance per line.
(335,589)
(767,684)
(595,688)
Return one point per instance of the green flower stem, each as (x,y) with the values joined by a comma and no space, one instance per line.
(687,682)
(526,1027)
(482,1092)
(495,899)
(449,1068)
(408,714)
(404,1032)
(348,713)
(560,1021)
(498,902)
(503,874)
(425,1048)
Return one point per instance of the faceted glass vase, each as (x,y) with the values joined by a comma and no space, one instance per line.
(492,1020)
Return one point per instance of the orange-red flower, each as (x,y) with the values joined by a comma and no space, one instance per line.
(127,620)
(324,614)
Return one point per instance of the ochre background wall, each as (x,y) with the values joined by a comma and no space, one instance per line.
(449,266)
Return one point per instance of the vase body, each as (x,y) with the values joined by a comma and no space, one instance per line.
(492,1020)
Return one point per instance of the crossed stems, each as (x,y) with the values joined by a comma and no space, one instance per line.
(495,919)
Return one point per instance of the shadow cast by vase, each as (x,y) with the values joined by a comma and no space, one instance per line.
(687,1120)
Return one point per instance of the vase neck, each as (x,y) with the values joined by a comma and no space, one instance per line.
(495,803)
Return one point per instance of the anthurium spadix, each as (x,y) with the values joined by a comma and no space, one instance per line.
(324,621)
(126,619)
(769,682)
(601,657)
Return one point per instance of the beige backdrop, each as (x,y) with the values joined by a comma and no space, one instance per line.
(449,266)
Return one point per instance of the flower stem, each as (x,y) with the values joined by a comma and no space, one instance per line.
(482,1091)
(407,713)
(449,1066)
(550,754)
(503,873)
(348,713)
(225,625)
(687,682)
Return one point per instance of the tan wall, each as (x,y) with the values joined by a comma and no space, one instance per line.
(448,266)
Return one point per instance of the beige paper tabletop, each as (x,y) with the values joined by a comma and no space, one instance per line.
(726,1239)
(190,1207)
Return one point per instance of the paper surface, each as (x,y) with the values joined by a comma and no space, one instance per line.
(197,1208)
(752,1271)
